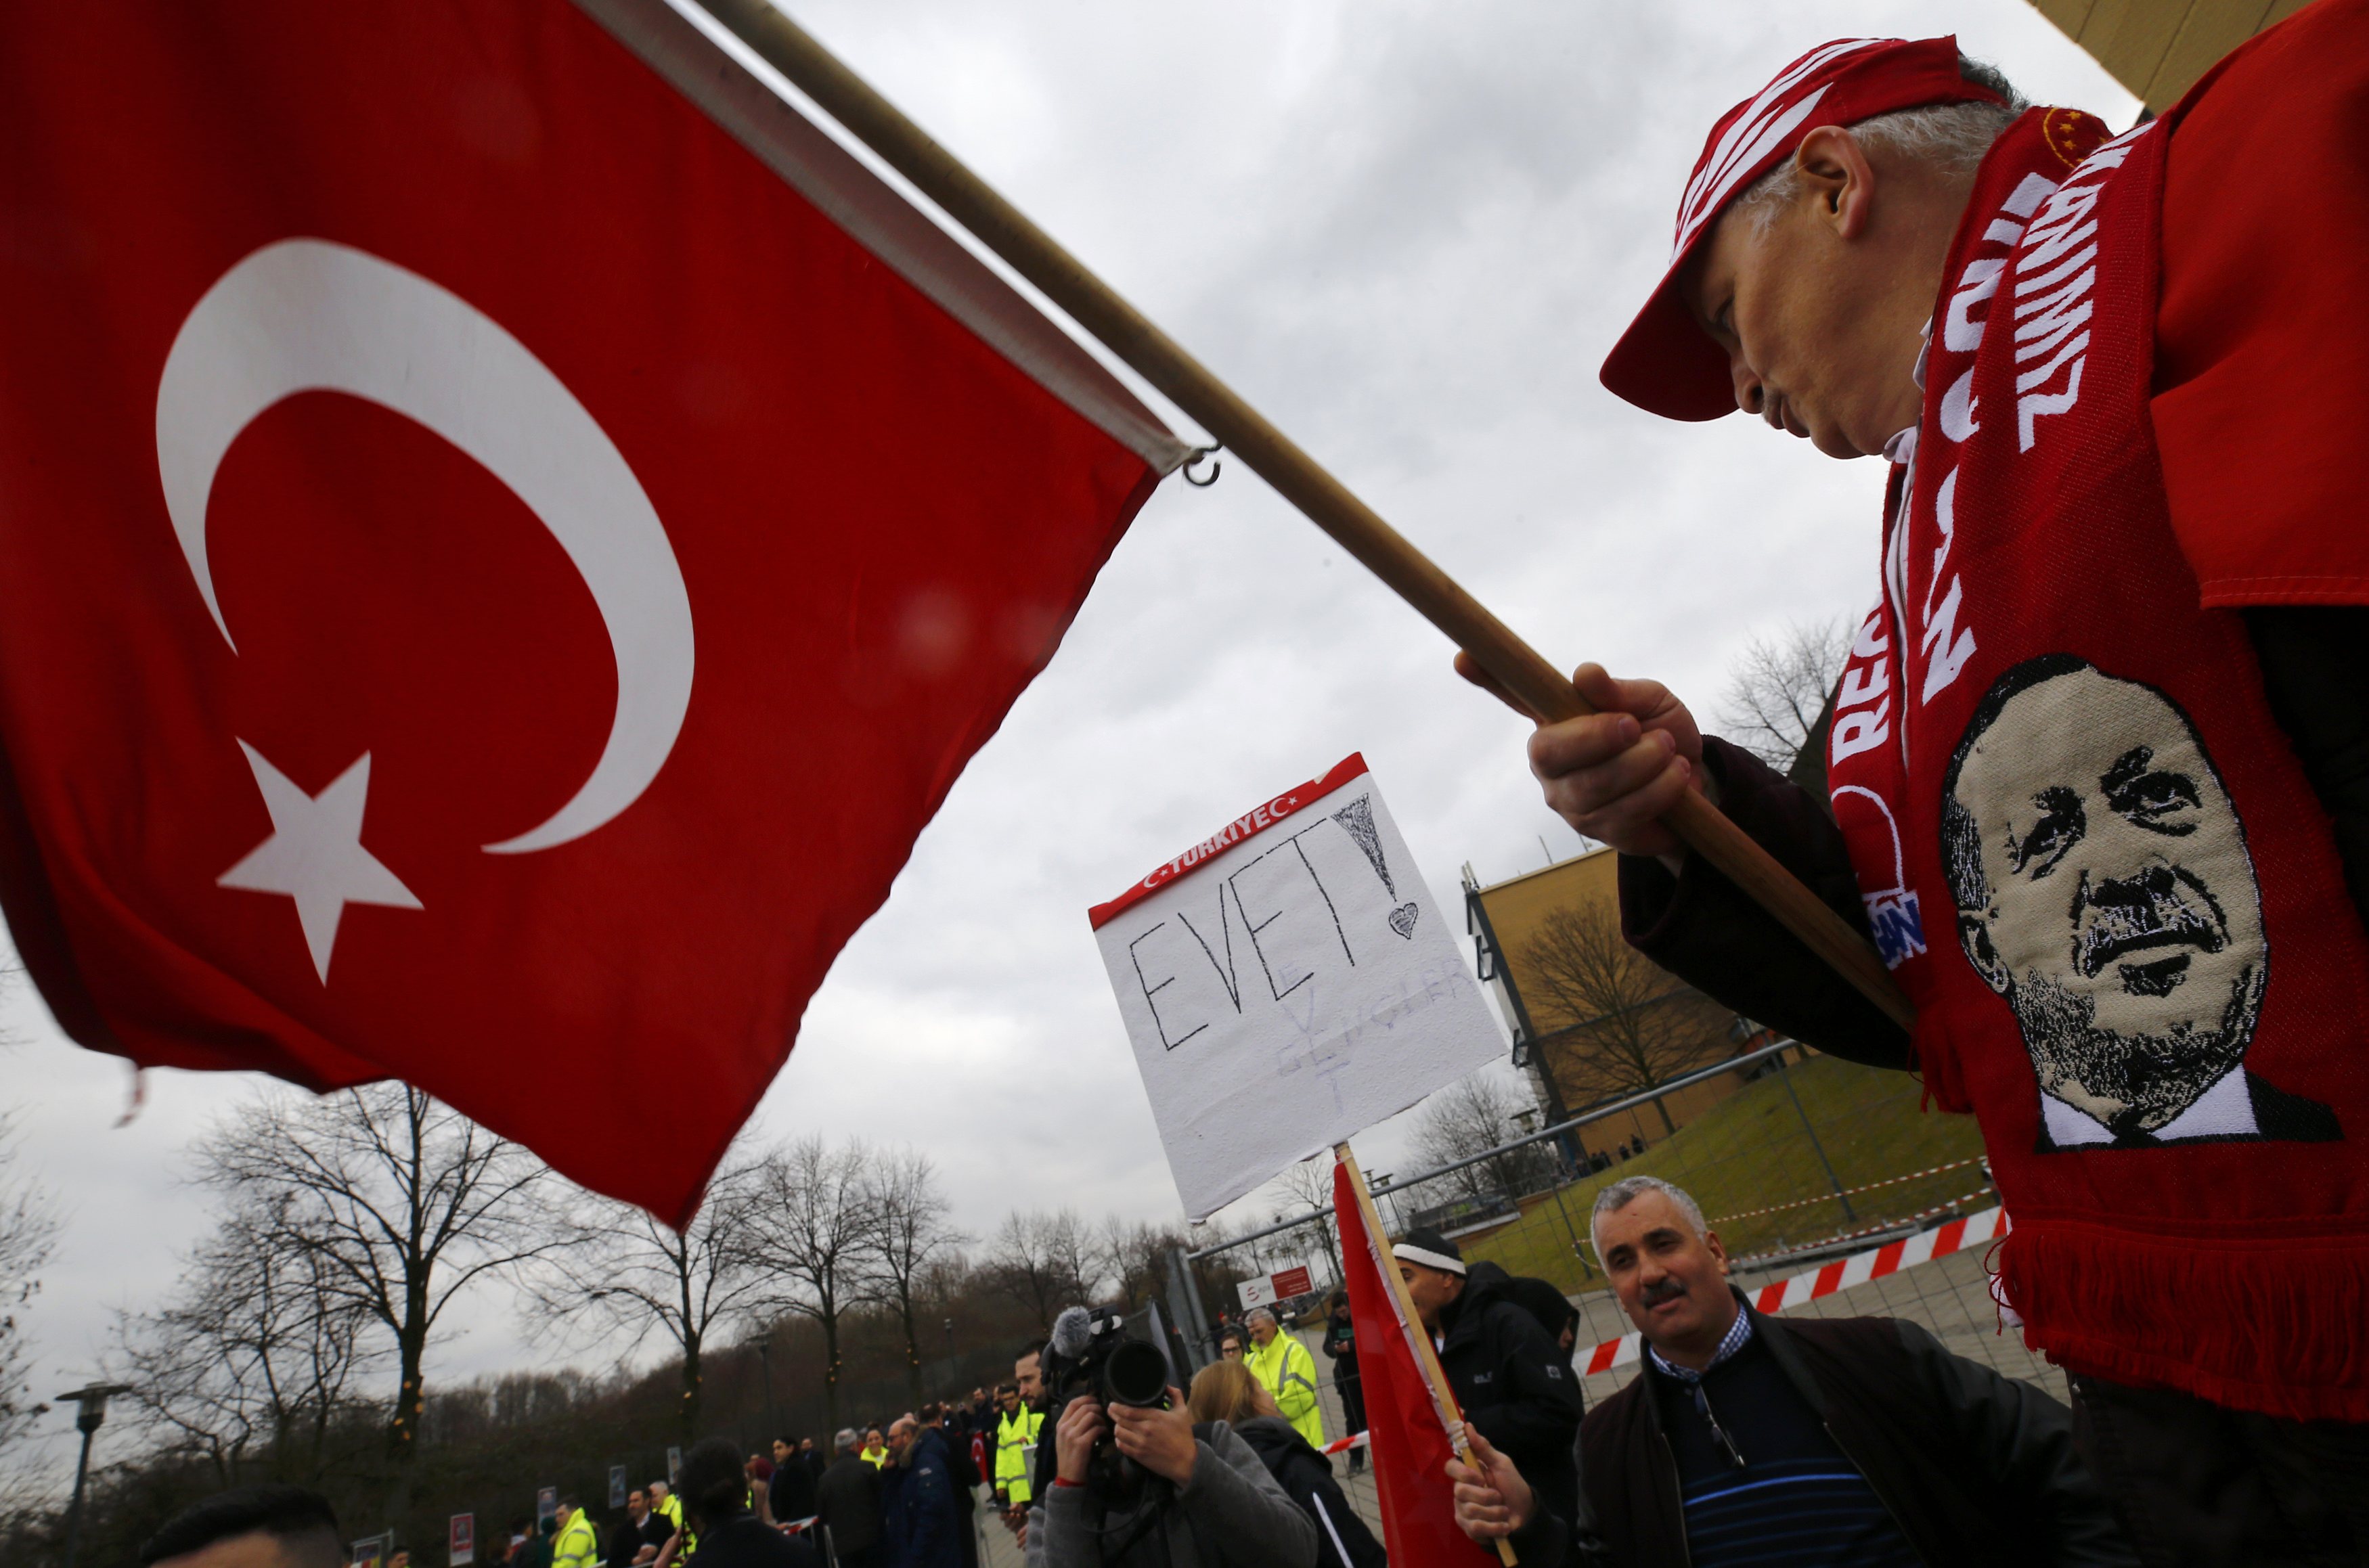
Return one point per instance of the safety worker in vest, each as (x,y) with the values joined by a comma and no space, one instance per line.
(680,1542)
(875,1452)
(1016,1450)
(575,1546)
(1286,1370)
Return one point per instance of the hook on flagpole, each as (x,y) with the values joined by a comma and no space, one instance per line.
(1199,452)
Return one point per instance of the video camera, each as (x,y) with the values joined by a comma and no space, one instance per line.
(1098,1357)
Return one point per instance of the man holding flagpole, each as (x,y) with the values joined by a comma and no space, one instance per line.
(2095,777)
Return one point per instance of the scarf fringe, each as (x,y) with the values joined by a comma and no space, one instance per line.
(2161,1312)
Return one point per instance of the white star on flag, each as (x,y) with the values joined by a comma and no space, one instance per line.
(315,855)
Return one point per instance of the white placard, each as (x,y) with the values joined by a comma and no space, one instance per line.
(1287,983)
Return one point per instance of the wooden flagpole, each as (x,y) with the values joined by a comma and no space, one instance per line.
(1443,1397)
(1268,452)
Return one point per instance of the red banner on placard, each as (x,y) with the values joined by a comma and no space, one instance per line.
(1249,825)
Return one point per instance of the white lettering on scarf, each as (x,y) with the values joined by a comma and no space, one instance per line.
(2055,273)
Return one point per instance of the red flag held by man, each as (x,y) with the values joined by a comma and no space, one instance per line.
(513,533)
(1409,1445)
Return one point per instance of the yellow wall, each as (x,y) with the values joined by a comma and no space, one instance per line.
(2158,49)
(1516,909)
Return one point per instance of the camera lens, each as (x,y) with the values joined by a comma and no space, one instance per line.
(1136,1374)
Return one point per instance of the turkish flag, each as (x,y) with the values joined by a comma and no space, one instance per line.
(509,533)
(1410,1446)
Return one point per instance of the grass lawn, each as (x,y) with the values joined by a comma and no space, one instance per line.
(1751,1151)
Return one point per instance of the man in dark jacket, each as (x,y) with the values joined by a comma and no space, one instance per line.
(1791,1441)
(918,1507)
(1513,1385)
(848,1500)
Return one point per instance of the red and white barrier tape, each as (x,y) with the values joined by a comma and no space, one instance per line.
(1948,1206)
(1342,1445)
(1957,1235)
(1847,1191)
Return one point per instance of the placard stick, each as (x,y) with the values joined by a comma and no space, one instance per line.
(1269,454)
(1443,1397)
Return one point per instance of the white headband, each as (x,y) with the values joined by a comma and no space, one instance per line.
(1429,1259)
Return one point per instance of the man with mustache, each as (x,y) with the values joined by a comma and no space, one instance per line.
(2104,887)
(1777,1442)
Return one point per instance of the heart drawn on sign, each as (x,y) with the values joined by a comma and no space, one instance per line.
(1403,920)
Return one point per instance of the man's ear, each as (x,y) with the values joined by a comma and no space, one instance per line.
(1975,936)
(1833,169)
(1712,1245)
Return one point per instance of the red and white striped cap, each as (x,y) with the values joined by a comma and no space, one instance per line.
(1666,364)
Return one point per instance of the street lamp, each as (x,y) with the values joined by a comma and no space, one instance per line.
(765,1360)
(90,1411)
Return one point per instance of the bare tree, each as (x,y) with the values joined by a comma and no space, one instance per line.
(619,1274)
(1779,687)
(406,1203)
(1076,1261)
(1134,1258)
(28,1235)
(1307,1185)
(908,1235)
(1628,1029)
(818,1219)
(251,1364)
(1023,1262)
(1473,1116)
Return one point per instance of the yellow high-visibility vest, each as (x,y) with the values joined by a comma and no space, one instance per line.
(577,1546)
(1015,1445)
(1286,1369)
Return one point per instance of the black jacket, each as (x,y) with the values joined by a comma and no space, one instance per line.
(791,1493)
(1302,1473)
(1975,1468)
(848,1498)
(1514,1384)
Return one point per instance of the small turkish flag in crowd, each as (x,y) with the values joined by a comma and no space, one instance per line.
(1409,1447)
(509,533)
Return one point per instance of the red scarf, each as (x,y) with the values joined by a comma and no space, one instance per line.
(2088,852)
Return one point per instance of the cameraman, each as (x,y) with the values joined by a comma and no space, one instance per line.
(1210,1500)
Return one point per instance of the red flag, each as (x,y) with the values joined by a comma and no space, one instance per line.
(1409,1445)
(504,557)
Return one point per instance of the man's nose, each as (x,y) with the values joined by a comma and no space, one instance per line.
(1750,396)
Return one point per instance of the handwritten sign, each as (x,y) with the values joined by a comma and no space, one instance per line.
(1287,982)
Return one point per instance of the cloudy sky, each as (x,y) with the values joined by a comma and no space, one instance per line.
(1406,230)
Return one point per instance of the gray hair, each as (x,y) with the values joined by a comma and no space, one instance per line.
(1955,136)
(1620,1194)
(1255,1313)
(848,1440)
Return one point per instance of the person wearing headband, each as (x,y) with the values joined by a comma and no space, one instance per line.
(1512,1382)
(2096,776)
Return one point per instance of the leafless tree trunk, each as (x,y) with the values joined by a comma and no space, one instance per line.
(405,1203)
(250,1364)
(1778,688)
(1134,1257)
(1624,1024)
(908,1233)
(618,1274)
(811,1241)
